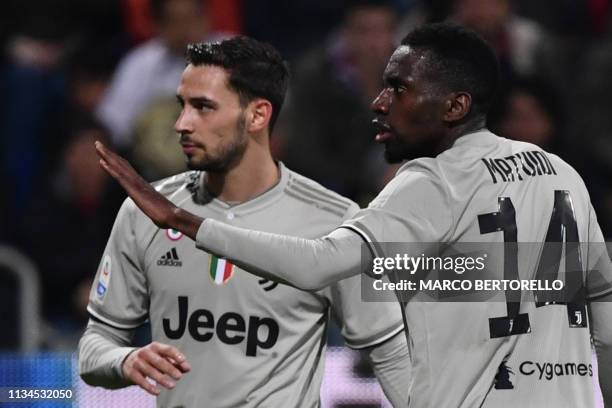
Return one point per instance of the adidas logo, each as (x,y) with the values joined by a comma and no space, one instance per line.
(170,259)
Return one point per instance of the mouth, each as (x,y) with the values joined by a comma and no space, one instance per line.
(383,130)
(188,148)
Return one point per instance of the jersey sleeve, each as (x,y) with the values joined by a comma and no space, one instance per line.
(412,208)
(599,267)
(363,324)
(118,296)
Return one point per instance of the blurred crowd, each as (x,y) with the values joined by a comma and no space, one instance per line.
(74,71)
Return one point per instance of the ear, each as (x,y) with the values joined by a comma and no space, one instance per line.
(458,106)
(259,115)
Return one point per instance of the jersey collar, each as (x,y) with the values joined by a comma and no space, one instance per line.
(262,200)
(481,137)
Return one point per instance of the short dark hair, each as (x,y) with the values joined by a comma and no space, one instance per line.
(461,61)
(256,69)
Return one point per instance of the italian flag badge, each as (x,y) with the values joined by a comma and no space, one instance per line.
(220,270)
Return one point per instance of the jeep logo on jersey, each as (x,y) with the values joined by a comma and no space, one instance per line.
(231,328)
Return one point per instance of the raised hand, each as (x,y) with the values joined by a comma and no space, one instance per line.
(160,362)
(158,208)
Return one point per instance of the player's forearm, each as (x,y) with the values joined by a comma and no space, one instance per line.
(601,330)
(102,351)
(308,264)
(391,363)
(186,222)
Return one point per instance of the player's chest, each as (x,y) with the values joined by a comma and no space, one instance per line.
(176,269)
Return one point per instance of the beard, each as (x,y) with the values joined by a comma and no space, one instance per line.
(227,155)
(397,152)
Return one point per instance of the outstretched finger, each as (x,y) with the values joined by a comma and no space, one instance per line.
(109,169)
(101,150)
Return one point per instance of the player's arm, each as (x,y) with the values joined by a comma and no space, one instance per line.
(400,214)
(376,328)
(599,288)
(599,298)
(600,312)
(106,359)
(118,304)
(390,361)
(102,350)
(304,263)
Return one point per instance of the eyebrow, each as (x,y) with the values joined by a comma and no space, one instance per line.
(394,80)
(202,100)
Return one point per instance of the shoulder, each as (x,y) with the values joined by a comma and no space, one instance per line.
(417,178)
(175,188)
(184,182)
(557,162)
(317,197)
(567,172)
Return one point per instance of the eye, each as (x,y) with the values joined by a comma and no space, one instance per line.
(202,106)
(398,89)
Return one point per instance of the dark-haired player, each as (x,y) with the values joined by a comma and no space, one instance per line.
(473,187)
(246,342)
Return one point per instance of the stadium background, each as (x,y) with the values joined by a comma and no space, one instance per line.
(72,71)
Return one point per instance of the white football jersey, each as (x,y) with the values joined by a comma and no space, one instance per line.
(251,342)
(487,189)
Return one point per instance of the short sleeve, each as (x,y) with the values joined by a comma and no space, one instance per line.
(119,295)
(412,208)
(363,324)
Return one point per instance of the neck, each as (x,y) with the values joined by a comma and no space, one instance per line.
(462,129)
(255,173)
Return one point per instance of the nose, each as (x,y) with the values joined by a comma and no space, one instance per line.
(380,105)
(183,124)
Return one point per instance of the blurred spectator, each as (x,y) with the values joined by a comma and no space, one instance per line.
(517,40)
(531,111)
(292,26)
(592,101)
(153,69)
(89,70)
(587,18)
(327,124)
(65,229)
(32,87)
(222,15)
(33,83)
(591,109)
(156,150)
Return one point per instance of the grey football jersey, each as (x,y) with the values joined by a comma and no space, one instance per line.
(469,193)
(250,341)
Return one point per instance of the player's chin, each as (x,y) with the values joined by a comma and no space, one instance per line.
(396,154)
(194,163)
